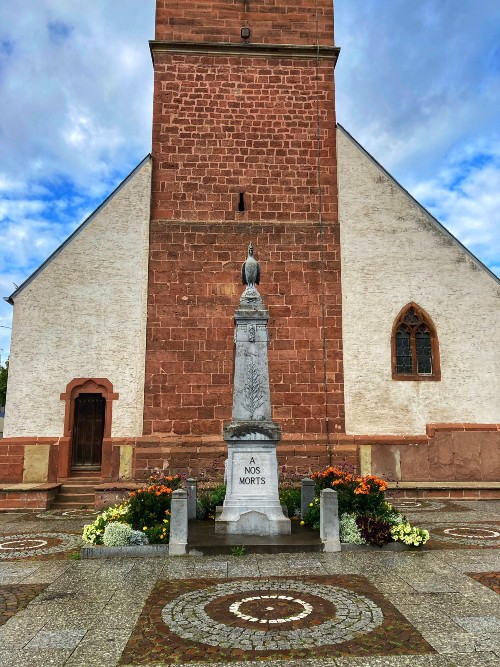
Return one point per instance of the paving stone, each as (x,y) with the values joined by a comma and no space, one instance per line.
(489,641)
(13,573)
(479,624)
(56,639)
(395,661)
(99,648)
(459,642)
(52,657)
(47,572)
(484,659)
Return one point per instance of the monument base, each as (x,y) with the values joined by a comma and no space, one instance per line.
(252,505)
(252,522)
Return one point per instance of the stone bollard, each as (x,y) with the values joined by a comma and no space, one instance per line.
(306,495)
(329,520)
(192,492)
(178,523)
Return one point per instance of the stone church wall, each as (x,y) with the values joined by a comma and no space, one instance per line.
(393,253)
(84,315)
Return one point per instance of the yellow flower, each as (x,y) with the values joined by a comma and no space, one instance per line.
(144,528)
(302,523)
(311,505)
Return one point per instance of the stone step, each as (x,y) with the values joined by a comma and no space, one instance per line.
(77,488)
(84,498)
(203,540)
(71,505)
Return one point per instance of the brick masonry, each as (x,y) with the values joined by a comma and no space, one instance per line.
(225,124)
(270,21)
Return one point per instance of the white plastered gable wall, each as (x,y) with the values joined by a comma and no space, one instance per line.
(84,315)
(393,252)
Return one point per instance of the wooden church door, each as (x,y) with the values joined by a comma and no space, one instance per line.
(88,431)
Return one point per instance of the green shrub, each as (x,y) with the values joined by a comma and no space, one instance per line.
(410,535)
(311,518)
(149,506)
(349,530)
(159,533)
(291,499)
(138,538)
(117,534)
(93,532)
(356,495)
(374,530)
(208,500)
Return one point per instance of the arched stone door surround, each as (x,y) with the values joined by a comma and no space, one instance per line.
(74,389)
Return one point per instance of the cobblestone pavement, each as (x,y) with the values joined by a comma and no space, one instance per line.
(432,608)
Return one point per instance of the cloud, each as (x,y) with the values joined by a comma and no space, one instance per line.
(417,83)
(76,90)
(465,196)
(414,80)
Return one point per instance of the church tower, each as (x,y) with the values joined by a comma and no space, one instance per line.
(243,151)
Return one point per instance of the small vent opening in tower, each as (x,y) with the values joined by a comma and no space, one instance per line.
(241,202)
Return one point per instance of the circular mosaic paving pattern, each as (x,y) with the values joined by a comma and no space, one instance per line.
(414,505)
(479,534)
(271,615)
(31,544)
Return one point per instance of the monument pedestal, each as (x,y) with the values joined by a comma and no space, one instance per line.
(252,505)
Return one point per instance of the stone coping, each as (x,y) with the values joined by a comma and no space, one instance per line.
(28,487)
(444,485)
(117,486)
(133,551)
(161,550)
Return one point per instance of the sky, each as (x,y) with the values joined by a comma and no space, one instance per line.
(418,85)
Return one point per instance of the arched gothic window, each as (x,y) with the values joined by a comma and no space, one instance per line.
(415,348)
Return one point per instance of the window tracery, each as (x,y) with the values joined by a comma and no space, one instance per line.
(415,349)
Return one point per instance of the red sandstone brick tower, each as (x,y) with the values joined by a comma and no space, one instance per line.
(243,150)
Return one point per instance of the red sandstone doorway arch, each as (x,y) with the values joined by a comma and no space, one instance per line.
(74,389)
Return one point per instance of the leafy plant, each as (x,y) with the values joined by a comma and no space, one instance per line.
(410,535)
(149,505)
(208,500)
(291,498)
(117,534)
(359,495)
(4,376)
(138,538)
(93,532)
(158,533)
(349,530)
(312,516)
(239,550)
(374,530)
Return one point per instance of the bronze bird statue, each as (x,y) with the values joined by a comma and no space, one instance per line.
(250,269)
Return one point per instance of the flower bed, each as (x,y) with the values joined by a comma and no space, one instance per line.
(366,517)
(144,518)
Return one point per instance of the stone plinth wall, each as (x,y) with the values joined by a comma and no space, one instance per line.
(20,459)
(448,452)
(40,497)
(273,21)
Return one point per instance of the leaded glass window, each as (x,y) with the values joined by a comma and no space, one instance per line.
(415,346)
(403,351)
